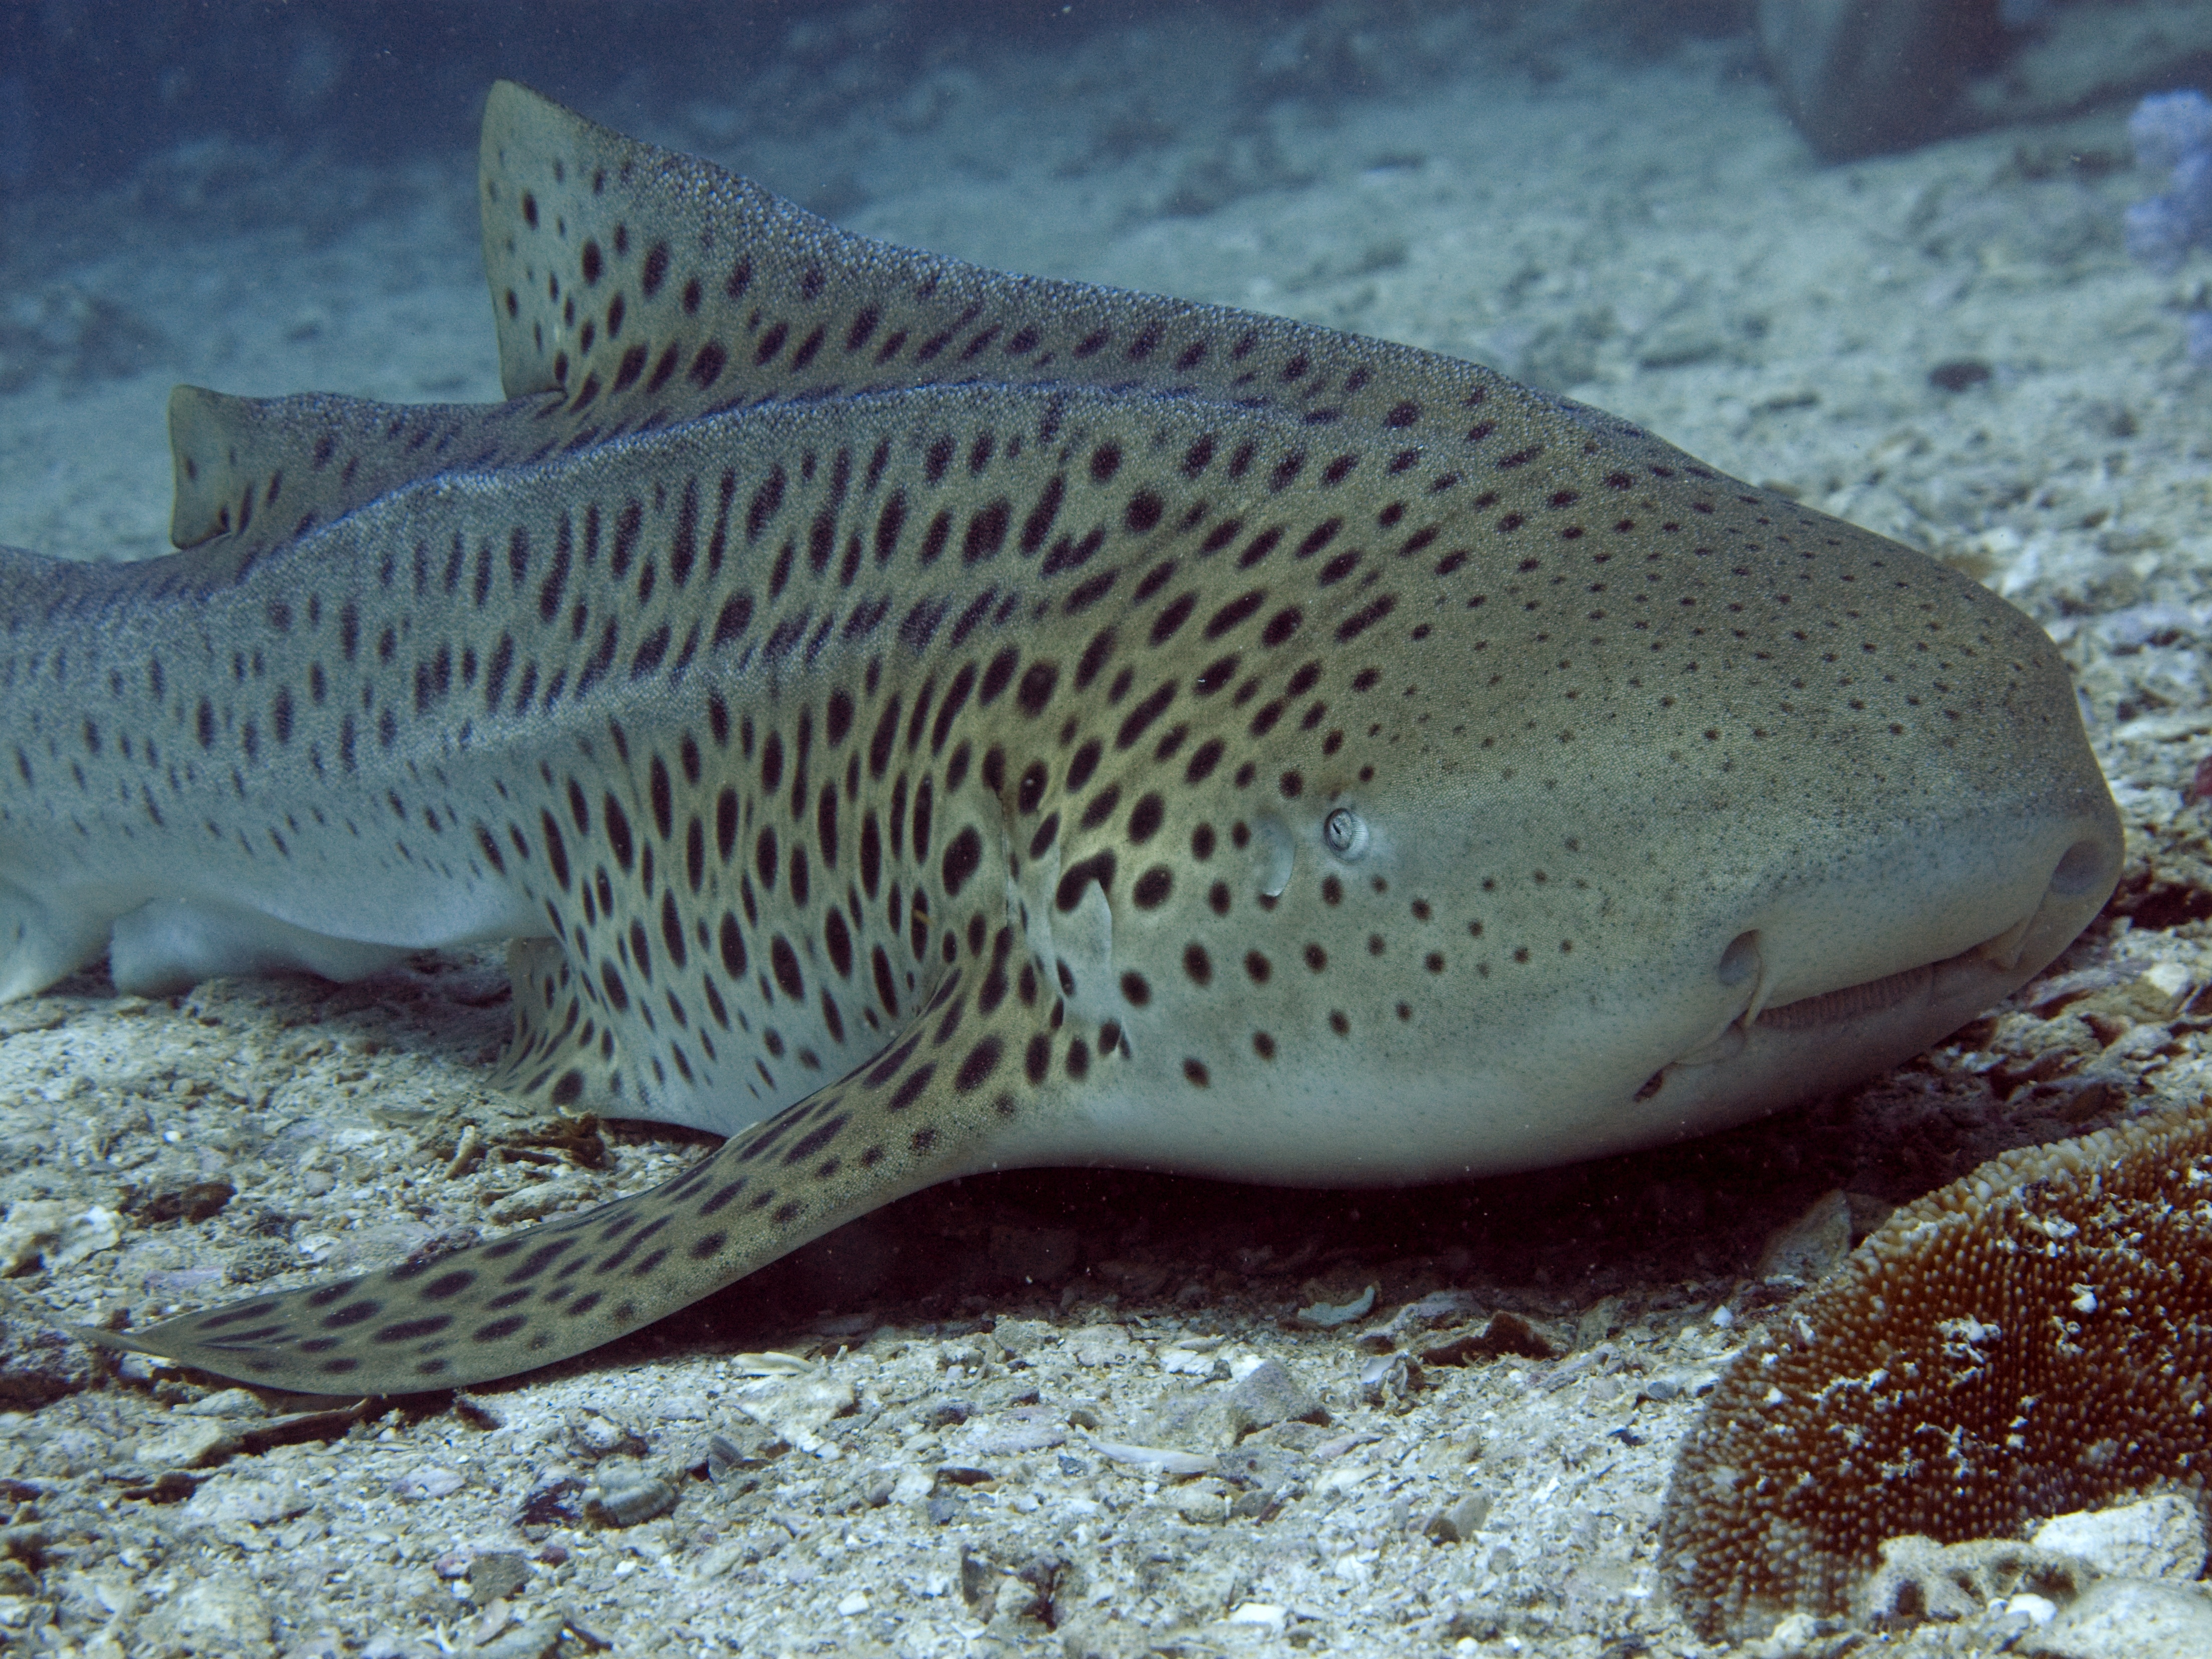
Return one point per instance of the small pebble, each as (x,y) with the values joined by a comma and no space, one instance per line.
(1459,1521)
(2161,1537)
(1958,373)
(1323,1316)
(2126,1618)
(186,1445)
(1268,1394)
(596,1435)
(430,1480)
(496,1575)
(631,1502)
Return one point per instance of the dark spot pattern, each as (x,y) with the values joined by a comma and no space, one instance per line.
(808,741)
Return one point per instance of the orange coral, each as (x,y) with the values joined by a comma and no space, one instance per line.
(2034,1339)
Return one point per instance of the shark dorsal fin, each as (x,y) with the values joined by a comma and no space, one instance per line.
(649,286)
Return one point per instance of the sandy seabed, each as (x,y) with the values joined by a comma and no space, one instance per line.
(1641,230)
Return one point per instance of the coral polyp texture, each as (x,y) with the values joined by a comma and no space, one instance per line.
(2030,1340)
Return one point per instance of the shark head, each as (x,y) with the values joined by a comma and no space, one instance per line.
(1688,838)
(1692,805)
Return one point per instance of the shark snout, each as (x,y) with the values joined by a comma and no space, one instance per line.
(1857,967)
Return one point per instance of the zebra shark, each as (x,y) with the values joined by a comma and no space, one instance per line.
(912,720)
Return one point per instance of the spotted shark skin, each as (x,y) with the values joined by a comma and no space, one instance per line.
(914,721)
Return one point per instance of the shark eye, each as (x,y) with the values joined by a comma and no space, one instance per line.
(1345,833)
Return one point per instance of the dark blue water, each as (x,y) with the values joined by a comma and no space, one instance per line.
(89,88)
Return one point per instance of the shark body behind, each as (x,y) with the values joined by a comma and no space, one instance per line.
(914,721)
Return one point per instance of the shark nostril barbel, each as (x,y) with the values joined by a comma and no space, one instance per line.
(2002,952)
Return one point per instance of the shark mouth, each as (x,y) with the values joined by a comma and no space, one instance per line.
(1998,954)
(1971,969)
(1853,1001)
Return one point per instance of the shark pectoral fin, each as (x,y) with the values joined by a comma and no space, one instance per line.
(560,1053)
(946,1098)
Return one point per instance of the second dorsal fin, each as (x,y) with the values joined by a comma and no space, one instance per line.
(251,472)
